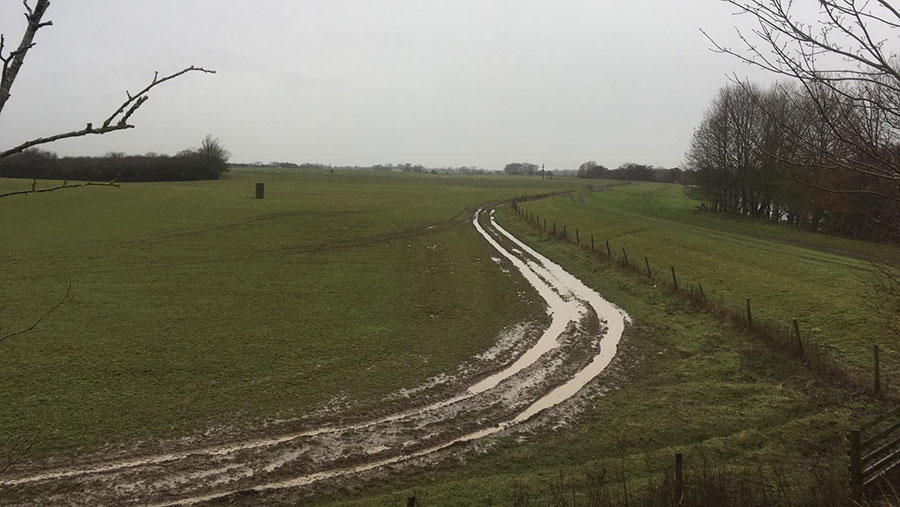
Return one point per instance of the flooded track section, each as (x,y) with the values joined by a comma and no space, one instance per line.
(579,343)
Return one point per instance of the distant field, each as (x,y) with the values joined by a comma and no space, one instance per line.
(787,273)
(197,307)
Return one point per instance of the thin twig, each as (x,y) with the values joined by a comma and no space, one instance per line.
(60,187)
(67,297)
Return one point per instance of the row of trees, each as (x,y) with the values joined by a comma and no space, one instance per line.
(405,167)
(778,154)
(822,152)
(630,171)
(208,161)
(522,168)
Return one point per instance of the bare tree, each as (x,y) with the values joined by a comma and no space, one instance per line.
(847,65)
(214,153)
(850,76)
(118,120)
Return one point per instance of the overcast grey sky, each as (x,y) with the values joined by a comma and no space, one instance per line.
(440,83)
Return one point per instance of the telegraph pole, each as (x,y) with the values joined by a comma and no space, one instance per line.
(542,171)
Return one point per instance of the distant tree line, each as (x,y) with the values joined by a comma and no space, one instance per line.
(207,162)
(404,167)
(522,168)
(630,171)
(418,168)
(773,154)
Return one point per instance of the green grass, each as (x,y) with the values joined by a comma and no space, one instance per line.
(197,307)
(823,281)
(684,381)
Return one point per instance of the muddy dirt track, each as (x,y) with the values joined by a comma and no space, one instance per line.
(580,341)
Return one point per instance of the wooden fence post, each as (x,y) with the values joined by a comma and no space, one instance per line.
(608,252)
(674,280)
(855,466)
(877,379)
(625,255)
(260,190)
(749,315)
(565,234)
(411,501)
(592,242)
(799,340)
(649,273)
(679,479)
(554,228)
(702,294)
(577,237)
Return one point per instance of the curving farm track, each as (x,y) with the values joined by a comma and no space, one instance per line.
(579,343)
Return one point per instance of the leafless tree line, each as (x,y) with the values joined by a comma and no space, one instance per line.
(772,154)
(823,150)
(826,146)
(846,68)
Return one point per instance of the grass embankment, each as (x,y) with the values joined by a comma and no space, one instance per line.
(198,308)
(684,380)
(822,281)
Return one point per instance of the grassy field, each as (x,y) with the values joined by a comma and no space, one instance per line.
(199,308)
(684,381)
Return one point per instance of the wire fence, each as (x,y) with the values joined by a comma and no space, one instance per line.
(785,336)
(874,448)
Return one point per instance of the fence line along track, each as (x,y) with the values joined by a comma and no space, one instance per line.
(786,337)
(874,447)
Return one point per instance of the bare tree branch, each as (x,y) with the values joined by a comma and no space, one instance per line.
(67,297)
(141,97)
(120,116)
(66,184)
(116,121)
(14,60)
(863,81)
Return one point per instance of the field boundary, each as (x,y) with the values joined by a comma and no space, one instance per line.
(785,337)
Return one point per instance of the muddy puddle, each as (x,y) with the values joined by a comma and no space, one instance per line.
(577,345)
